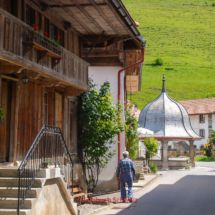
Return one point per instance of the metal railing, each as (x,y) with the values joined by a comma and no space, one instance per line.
(48,147)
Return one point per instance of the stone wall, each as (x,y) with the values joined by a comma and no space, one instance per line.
(173,164)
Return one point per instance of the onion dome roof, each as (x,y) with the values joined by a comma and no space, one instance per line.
(167,118)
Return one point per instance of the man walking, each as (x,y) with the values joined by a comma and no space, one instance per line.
(126,166)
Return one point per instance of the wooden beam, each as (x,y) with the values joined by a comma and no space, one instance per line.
(84,25)
(119,18)
(46,85)
(104,16)
(88,16)
(71,91)
(9,78)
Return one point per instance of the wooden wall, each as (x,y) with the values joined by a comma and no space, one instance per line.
(30,116)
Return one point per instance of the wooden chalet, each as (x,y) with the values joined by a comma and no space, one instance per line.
(42,70)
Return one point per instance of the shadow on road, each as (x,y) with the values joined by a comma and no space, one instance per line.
(191,195)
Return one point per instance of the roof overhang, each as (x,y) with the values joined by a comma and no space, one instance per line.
(104,21)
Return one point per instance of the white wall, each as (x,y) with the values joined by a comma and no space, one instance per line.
(110,74)
(196,125)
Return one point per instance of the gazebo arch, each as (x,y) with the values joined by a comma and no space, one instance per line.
(169,121)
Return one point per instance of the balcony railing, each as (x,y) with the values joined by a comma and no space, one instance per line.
(21,47)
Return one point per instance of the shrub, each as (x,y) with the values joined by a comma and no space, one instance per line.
(213,5)
(153,168)
(159,61)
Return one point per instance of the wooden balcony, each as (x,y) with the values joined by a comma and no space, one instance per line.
(19,47)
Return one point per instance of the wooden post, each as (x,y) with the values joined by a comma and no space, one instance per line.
(0,89)
(165,164)
(192,163)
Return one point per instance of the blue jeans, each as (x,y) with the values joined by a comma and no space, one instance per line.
(126,178)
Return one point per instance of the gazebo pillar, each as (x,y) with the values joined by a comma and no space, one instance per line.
(165,164)
(192,162)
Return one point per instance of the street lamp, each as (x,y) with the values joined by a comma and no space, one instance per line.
(25,79)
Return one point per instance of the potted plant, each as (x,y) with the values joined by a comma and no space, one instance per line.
(137,177)
(45,164)
(1,116)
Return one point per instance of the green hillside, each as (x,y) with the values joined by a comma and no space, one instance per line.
(182,33)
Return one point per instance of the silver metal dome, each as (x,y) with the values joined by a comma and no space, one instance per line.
(167,118)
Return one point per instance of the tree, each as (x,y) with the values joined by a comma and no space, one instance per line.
(152,145)
(132,137)
(98,124)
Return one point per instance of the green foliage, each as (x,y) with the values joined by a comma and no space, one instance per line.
(212,137)
(158,61)
(210,95)
(98,124)
(204,158)
(152,145)
(132,138)
(182,83)
(213,5)
(1,114)
(153,168)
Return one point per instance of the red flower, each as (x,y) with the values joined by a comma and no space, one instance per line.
(54,36)
(46,34)
(129,127)
(58,37)
(131,123)
(36,28)
(211,144)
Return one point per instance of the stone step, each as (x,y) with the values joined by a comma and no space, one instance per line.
(9,173)
(142,178)
(11,203)
(14,212)
(13,192)
(13,182)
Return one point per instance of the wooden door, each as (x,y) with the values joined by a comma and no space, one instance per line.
(58,110)
(5,128)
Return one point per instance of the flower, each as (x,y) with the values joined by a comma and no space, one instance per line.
(54,36)
(58,37)
(129,127)
(45,34)
(131,123)
(211,144)
(36,28)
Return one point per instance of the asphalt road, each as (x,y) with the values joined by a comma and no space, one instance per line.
(176,193)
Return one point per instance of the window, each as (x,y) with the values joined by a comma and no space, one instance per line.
(11,6)
(202,118)
(53,31)
(61,34)
(202,133)
(30,16)
(169,147)
(46,25)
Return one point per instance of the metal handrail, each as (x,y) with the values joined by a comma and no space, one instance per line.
(48,144)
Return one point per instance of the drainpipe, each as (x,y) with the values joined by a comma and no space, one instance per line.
(119,99)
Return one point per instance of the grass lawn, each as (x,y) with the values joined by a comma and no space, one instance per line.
(203,158)
(182,33)
(182,83)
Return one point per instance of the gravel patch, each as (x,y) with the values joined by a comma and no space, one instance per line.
(86,209)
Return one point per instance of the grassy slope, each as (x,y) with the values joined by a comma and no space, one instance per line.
(183,36)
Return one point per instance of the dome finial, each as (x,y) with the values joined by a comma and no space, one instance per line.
(164,88)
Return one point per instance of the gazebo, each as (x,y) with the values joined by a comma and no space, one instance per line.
(169,121)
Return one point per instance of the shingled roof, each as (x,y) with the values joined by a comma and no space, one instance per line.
(199,106)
